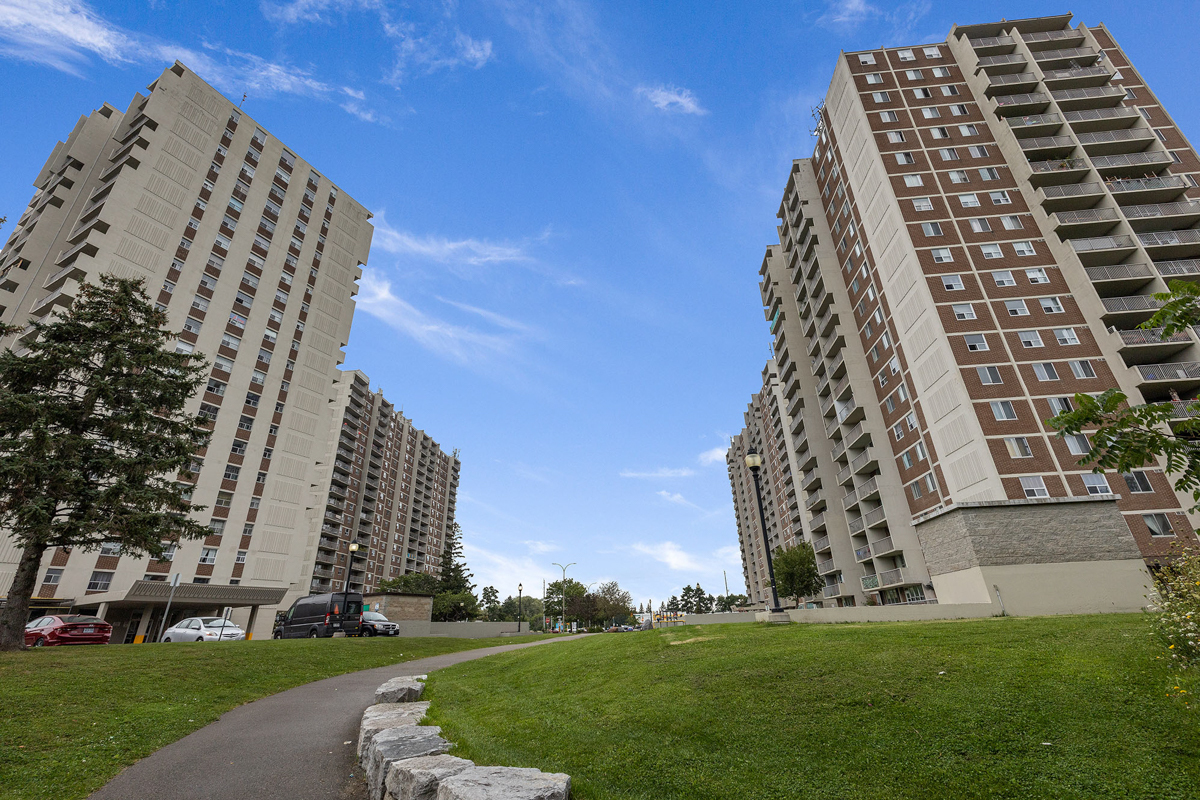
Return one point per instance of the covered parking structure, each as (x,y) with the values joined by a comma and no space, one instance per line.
(137,613)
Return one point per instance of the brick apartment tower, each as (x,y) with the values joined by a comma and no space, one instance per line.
(385,485)
(975,239)
(254,255)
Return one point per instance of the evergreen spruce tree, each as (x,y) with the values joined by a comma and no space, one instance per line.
(93,437)
(455,600)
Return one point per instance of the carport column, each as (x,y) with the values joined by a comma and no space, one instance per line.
(102,610)
(250,623)
(143,625)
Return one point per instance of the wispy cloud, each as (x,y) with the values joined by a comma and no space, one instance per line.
(537,547)
(849,15)
(441,249)
(670,554)
(677,499)
(713,456)
(671,99)
(661,472)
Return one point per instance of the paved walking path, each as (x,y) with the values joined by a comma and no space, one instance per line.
(288,746)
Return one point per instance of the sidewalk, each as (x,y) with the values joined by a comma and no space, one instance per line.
(295,745)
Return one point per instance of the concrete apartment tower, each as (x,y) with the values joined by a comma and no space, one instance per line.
(384,485)
(975,239)
(254,254)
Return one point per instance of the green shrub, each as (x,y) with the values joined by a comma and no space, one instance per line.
(1178,608)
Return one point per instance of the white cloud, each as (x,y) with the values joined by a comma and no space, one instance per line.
(848,13)
(357,94)
(677,499)
(60,34)
(671,99)
(504,571)
(473,53)
(670,554)
(713,456)
(499,320)
(440,249)
(365,114)
(541,547)
(661,472)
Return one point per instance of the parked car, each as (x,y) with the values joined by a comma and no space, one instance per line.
(376,624)
(322,615)
(203,629)
(67,629)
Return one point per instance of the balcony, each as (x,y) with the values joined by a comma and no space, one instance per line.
(818,523)
(1077,78)
(1103,250)
(858,436)
(1120,279)
(1149,346)
(844,475)
(1122,140)
(895,577)
(884,547)
(72,271)
(1070,196)
(1013,105)
(1102,119)
(993,45)
(1042,40)
(825,567)
(1020,81)
(875,518)
(856,525)
(815,501)
(1126,312)
(1088,98)
(1182,269)
(1047,147)
(820,544)
(862,554)
(1088,222)
(1131,165)
(811,480)
(1066,57)
(1160,216)
(1172,244)
(833,590)
(1035,125)
(1158,379)
(1056,171)
(1002,64)
(866,461)
(851,499)
(1149,190)
(870,583)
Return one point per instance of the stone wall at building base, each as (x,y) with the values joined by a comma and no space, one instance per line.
(1076,587)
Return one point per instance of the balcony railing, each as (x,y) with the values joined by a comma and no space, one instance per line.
(1145,184)
(1046,142)
(882,547)
(1051,36)
(1034,119)
(1087,215)
(1169,372)
(1118,272)
(1119,242)
(1099,114)
(1066,53)
(1078,72)
(1019,77)
(992,41)
(821,543)
(1087,93)
(1168,238)
(1072,190)
(862,553)
(833,590)
(1119,135)
(826,566)
(1183,266)
(1162,210)
(869,582)
(875,517)
(1131,160)
(893,577)
(1137,302)
(1060,165)
(1152,336)
(997,61)
(1029,98)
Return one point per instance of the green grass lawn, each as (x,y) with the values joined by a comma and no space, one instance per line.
(1067,707)
(72,717)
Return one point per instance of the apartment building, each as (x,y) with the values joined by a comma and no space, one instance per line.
(386,487)
(254,255)
(980,229)
(765,432)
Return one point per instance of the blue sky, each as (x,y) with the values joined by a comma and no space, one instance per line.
(571,202)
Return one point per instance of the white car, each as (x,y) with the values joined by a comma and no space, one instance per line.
(203,629)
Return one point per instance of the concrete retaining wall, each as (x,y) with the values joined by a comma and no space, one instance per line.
(889,613)
(715,619)
(473,630)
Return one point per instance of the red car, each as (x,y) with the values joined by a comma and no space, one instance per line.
(67,629)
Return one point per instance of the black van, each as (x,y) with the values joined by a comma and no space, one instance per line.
(321,615)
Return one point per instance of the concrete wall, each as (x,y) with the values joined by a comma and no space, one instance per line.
(401,607)
(474,630)
(1079,587)
(715,619)
(896,613)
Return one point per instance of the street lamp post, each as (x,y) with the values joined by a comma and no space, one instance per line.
(754,462)
(353,548)
(520,588)
(562,590)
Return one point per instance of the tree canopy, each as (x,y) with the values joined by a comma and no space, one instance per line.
(796,571)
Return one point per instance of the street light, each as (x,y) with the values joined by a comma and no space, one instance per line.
(563,591)
(754,462)
(520,588)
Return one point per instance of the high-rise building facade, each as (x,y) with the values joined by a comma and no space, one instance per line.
(979,231)
(254,255)
(386,487)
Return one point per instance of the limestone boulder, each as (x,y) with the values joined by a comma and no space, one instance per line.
(504,783)
(404,689)
(396,744)
(418,778)
(382,716)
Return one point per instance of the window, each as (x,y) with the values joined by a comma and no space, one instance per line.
(939,133)
(976,342)
(209,411)
(238,448)
(1034,486)
(216,387)
(99,582)
(1045,372)
(978,151)
(221,242)
(1018,447)
(244,299)
(237,320)
(963,311)
(232,472)
(1024,248)
(208,555)
(950,91)
(866,58)
(905,158)
(248,528)
(1051,305)
(908,459)
(931,228)
(942,255)
(1004,278)
(922,94)
(216,526)
(1066,336)
(1003,410)
(180,347)
(200,303)
(1137,482)
(960,110)
(1096,484)
(905,55)
(258,376)
(208,282)
(880,97)
(222,363)
(948,154)
(52,577)
(252,399)
(250,280)
(1129,95)
(952,283)
(1145,112)
(992,251)
(930,112)
(110,549)
(874,77)
(913,180)
(241,557)
(1030,338)
(231,341)
(1083,369)
(922,204)
(1158,524)
(989,376)
(959,176)
(999,198)
(967,130)
(889,116)
(264,356)
(270,336)
(1060,405)
(968,200)
(1078,444)
(1037,275)
(941,72)
(200,580)
(898,431)
(895,137)
(1016,308)
(192,325)
(980,225)
(932,52)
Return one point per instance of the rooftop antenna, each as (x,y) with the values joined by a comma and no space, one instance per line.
(243,99)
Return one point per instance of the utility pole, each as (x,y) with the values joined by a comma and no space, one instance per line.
(562,590)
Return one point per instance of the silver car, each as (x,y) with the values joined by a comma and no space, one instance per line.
(203,629)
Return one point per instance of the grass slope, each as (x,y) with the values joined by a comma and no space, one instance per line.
(73,717)
(1067,707)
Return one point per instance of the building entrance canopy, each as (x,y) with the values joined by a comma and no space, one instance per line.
(156,593)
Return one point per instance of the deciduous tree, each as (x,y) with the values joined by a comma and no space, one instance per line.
(796,571)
